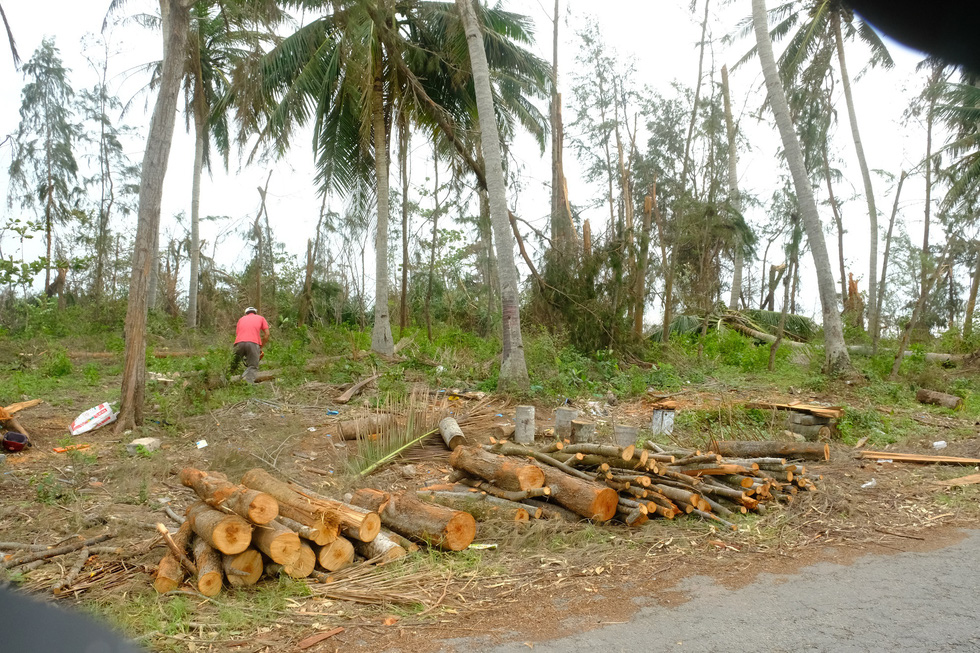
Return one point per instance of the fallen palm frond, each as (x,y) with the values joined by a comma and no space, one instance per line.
(370,584)
(419,420)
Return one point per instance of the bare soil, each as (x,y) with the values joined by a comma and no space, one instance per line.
(543,580)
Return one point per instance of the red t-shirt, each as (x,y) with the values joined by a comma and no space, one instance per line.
(250,327)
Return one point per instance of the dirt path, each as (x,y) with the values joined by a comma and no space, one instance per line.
(913,601)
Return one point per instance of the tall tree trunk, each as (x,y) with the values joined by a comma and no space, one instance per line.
(971,303)
(669,282)
(513,368)
(837,359)
(782,320)
(176,22)
(432,249)
(876,326)
(562,229)
(839,222)
(403,166)
(863,164)
(306,299)
(641,268)
(194,283)
(381,340)
(732,187)
(928,206)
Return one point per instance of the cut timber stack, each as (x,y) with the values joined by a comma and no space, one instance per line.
(603,482)
(238,531)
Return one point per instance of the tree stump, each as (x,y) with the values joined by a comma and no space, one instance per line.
(563,422)
(524,424)
(583,431)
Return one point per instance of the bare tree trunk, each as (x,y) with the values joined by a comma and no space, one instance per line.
(199,136)
(305,300)
(641,268)
(732,186)
(876,324)
(432,250)
(840,226)
(562,228)
(669,285)
(863,164)
(513,369)
(403,165)
(381,339)
(837,359)
(153,288)
(176,22)
(971,303)
(928,205)
(782,321)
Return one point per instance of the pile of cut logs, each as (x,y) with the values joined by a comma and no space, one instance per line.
(601,482)
(238,532)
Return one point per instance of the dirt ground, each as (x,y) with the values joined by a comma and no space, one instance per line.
(559,578)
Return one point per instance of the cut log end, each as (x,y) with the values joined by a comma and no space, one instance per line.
(461,530)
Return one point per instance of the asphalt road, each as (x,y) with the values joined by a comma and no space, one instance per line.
(924,602)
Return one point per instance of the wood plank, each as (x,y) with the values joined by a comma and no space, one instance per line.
(21,405)
(832,412)
(971,479)
(917,458)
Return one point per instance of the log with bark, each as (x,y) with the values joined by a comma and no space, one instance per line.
(215,490)
(766,448)
(382,549)
(229,534)
(585,498)
(483,507)
(452,435)
(242,569)
(209,570)
(170,571)
(365,426)
(278,542)
(503,471)
(310,509)
(336,555)
(441,527)
(952,402)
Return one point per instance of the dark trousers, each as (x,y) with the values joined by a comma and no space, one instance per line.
(249,352)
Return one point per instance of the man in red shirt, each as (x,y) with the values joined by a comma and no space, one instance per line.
(251,335)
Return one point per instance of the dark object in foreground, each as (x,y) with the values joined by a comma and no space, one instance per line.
(30,626)
(946,28)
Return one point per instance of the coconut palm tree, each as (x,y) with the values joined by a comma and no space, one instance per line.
(351,70)
(837,359)
(513,368)
(222,34)
(821,28)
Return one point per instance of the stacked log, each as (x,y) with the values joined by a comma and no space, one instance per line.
(632,485)
(237,532)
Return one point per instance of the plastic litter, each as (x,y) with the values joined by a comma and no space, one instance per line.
(201,444)
(870,484)
(333,412)
(93,418)
(940,444)
(312,429)
(483,546)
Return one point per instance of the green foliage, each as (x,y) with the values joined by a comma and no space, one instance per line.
(50,491)
(864,422)
(58,364)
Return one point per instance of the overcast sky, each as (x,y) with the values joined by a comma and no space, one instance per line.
(658,37)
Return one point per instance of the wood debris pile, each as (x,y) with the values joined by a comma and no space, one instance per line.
(237,533)
(601,482)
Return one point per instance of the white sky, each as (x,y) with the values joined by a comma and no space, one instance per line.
(659,37)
